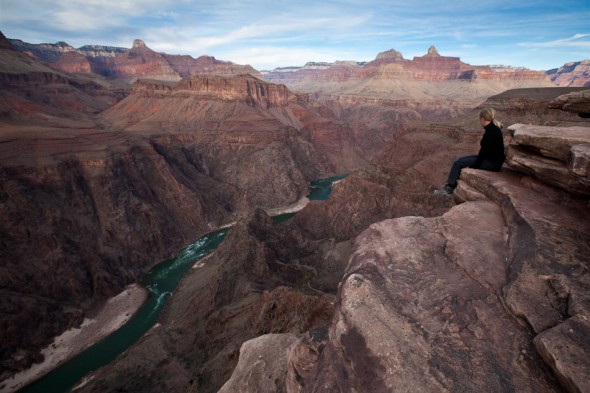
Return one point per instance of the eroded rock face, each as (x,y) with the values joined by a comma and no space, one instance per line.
(558,155)
(129,64)
(261,368)
(90,202)
(246,289)
(490,296)
(576,102)
(418,311)
(241,111)
(549,281)
(572,74)
(422,306)
(95,198)
(95,210)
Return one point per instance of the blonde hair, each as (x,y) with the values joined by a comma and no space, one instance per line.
(489,114)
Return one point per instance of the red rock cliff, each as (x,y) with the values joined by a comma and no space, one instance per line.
(244,88)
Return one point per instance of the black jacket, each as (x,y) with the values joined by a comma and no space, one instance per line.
(491,148)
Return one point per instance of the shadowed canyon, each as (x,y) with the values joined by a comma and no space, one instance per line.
(113,160)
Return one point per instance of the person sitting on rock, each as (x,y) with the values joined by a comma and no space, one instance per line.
(491,153)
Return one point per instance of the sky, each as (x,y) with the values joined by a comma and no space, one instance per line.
(535,34)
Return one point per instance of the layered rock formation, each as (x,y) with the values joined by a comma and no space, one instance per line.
(389,93)
(129,64)
(575,102)
(575,74)
(60,55)
(34,93)
(424,305)
(89,202)
(490,296)
(390,67)
(241,110)
(564,155)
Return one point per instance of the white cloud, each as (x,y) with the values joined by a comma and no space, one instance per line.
(575,41)
(270,57)
(269,32)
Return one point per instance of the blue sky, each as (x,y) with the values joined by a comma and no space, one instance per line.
(536,34)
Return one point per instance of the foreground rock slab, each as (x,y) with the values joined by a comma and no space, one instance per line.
(549,278)
(560,156)
(490,296)
(420,310)
(261,368)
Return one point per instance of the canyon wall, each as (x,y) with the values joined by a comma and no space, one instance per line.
(390,92)
(390,67)
(574,74)
(421,303)
(99,181)
(492,295)
(91,199)
(128,64)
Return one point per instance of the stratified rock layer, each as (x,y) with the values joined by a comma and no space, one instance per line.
(386,95)
(491,296)
(559,156)
(576,73)
(129,64)
(90,201)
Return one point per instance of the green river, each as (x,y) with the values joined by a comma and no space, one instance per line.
(161,282)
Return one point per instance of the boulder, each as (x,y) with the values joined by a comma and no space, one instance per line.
(557,155)
(576,102)
(262,367)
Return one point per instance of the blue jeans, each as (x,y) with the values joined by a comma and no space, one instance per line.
(465,162)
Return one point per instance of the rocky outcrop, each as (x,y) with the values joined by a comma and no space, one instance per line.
(97,51)
(246,88)
(575,102)
(490,296)
(422,303)
(139,62)
(559,156)
(187,66)
(261,368)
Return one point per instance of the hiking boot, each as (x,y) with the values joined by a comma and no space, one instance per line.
(445,190)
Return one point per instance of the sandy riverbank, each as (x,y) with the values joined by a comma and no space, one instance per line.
(115,313)
(297,206)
